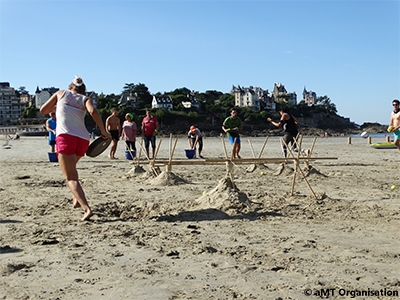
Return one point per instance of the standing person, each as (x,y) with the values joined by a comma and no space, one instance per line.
(129,130)
(51,124)
(150,128)
(72,137)
(394,124)
(289,124)
(113,126)
(231,126)
(195,138)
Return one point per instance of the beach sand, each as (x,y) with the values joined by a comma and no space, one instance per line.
(188,234)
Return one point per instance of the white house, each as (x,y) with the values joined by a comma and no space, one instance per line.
(163,101)
(192,103)
(41,96)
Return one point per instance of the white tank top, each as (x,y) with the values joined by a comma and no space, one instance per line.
(70,114)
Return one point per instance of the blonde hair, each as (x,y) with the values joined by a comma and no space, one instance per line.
(78,86)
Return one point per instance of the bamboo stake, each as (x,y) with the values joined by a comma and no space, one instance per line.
(210,161)
(158,147)
(262,149)
(169,166)
(170,143)
(144,151)
(233,148)
(252,150)
(140,151)
(300,170)
(312,146)
(129,150)
(223,143)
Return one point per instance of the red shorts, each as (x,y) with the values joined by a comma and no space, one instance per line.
(69,144)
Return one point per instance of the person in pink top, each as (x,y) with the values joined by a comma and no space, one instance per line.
(129,130)
(72,137)
(150,128)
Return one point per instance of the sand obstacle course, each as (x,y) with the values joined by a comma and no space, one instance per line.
(167,177)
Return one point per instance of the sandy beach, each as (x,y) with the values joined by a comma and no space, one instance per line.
(191,234)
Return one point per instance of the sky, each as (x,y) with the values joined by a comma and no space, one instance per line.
(346,50)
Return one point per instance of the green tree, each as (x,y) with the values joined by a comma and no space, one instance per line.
(21,91)
(30,112)
(128,89)
(144,96)
(325,103)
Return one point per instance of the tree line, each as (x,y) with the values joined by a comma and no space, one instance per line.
(214,107)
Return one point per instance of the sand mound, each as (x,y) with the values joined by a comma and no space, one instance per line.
(283,169)
(309,171)
(167,178)
(253,167)
(224,197)
(136,170)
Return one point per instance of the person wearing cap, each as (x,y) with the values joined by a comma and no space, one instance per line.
(129,130)
(72,137)
(195,138)
(150,128)
(231,127)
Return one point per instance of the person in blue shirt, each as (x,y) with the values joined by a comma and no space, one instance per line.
(51,124)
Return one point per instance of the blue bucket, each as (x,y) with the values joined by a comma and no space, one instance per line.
(52,157)
(128,154)
(190,153)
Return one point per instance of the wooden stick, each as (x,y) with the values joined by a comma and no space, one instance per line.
(129,149)
(140,151)
(158,147)
(251,147)
(300,170)
(171,155)
(223,143)
(312,146)
(262,149)
(170,143)
(241,161)
(233,148)
(144,151)
(294,179)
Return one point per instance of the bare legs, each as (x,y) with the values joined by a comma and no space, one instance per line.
(236,151)
(68,167)
(113,149)
(397,143)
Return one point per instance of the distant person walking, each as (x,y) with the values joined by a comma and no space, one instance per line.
(113,126)
(195,138)
(150,128)
(51,124)
(72,136)
(394,124)
(231,127)
(289,124)
(129,130)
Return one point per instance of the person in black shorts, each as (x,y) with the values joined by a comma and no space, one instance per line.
(289,124)
(113,126)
